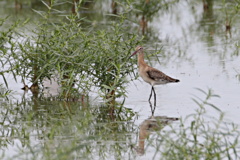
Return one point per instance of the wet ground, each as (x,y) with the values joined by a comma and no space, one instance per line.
(197,50)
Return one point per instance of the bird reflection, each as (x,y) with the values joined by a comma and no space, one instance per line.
(152,108)
(153,123)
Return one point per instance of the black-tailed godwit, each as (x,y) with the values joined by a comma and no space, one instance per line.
(150,74)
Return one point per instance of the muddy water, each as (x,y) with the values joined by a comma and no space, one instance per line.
(196,50)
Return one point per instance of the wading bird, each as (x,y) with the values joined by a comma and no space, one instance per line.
(150,74)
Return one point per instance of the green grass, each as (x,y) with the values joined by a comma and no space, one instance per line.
(81,56)
(201,135)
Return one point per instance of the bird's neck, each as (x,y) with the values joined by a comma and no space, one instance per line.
(141,61)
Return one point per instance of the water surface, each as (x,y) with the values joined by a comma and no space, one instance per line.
(195,49)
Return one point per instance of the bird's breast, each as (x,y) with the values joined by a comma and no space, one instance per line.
(145,77)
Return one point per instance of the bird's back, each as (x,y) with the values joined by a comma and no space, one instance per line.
(155,77)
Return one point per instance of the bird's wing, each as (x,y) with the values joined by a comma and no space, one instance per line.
(157,75)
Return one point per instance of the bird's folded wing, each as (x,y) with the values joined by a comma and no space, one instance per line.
(157,75)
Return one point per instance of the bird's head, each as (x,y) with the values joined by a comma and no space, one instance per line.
(137,49)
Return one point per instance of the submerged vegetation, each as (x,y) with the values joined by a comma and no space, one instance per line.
(66,46)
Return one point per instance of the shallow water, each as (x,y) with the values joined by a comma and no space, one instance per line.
(207,62)
(196,49)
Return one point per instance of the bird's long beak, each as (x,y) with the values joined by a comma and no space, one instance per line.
(134,53)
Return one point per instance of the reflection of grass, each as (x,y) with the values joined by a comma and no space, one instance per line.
(231,10)
(237,75)
(66,130)
(4,92)
(200,136)
(72,130)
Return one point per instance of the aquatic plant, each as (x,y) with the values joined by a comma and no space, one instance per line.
(50,129)
(200,135)
(231,10)
(7,45)
(4,93)
(78,59)
(53,130)
(145,9)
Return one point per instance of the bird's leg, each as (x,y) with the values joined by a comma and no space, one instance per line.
(154,96)
(150,95)
(152,109)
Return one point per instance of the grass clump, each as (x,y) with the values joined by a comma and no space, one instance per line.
(200,136)
(77,57)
